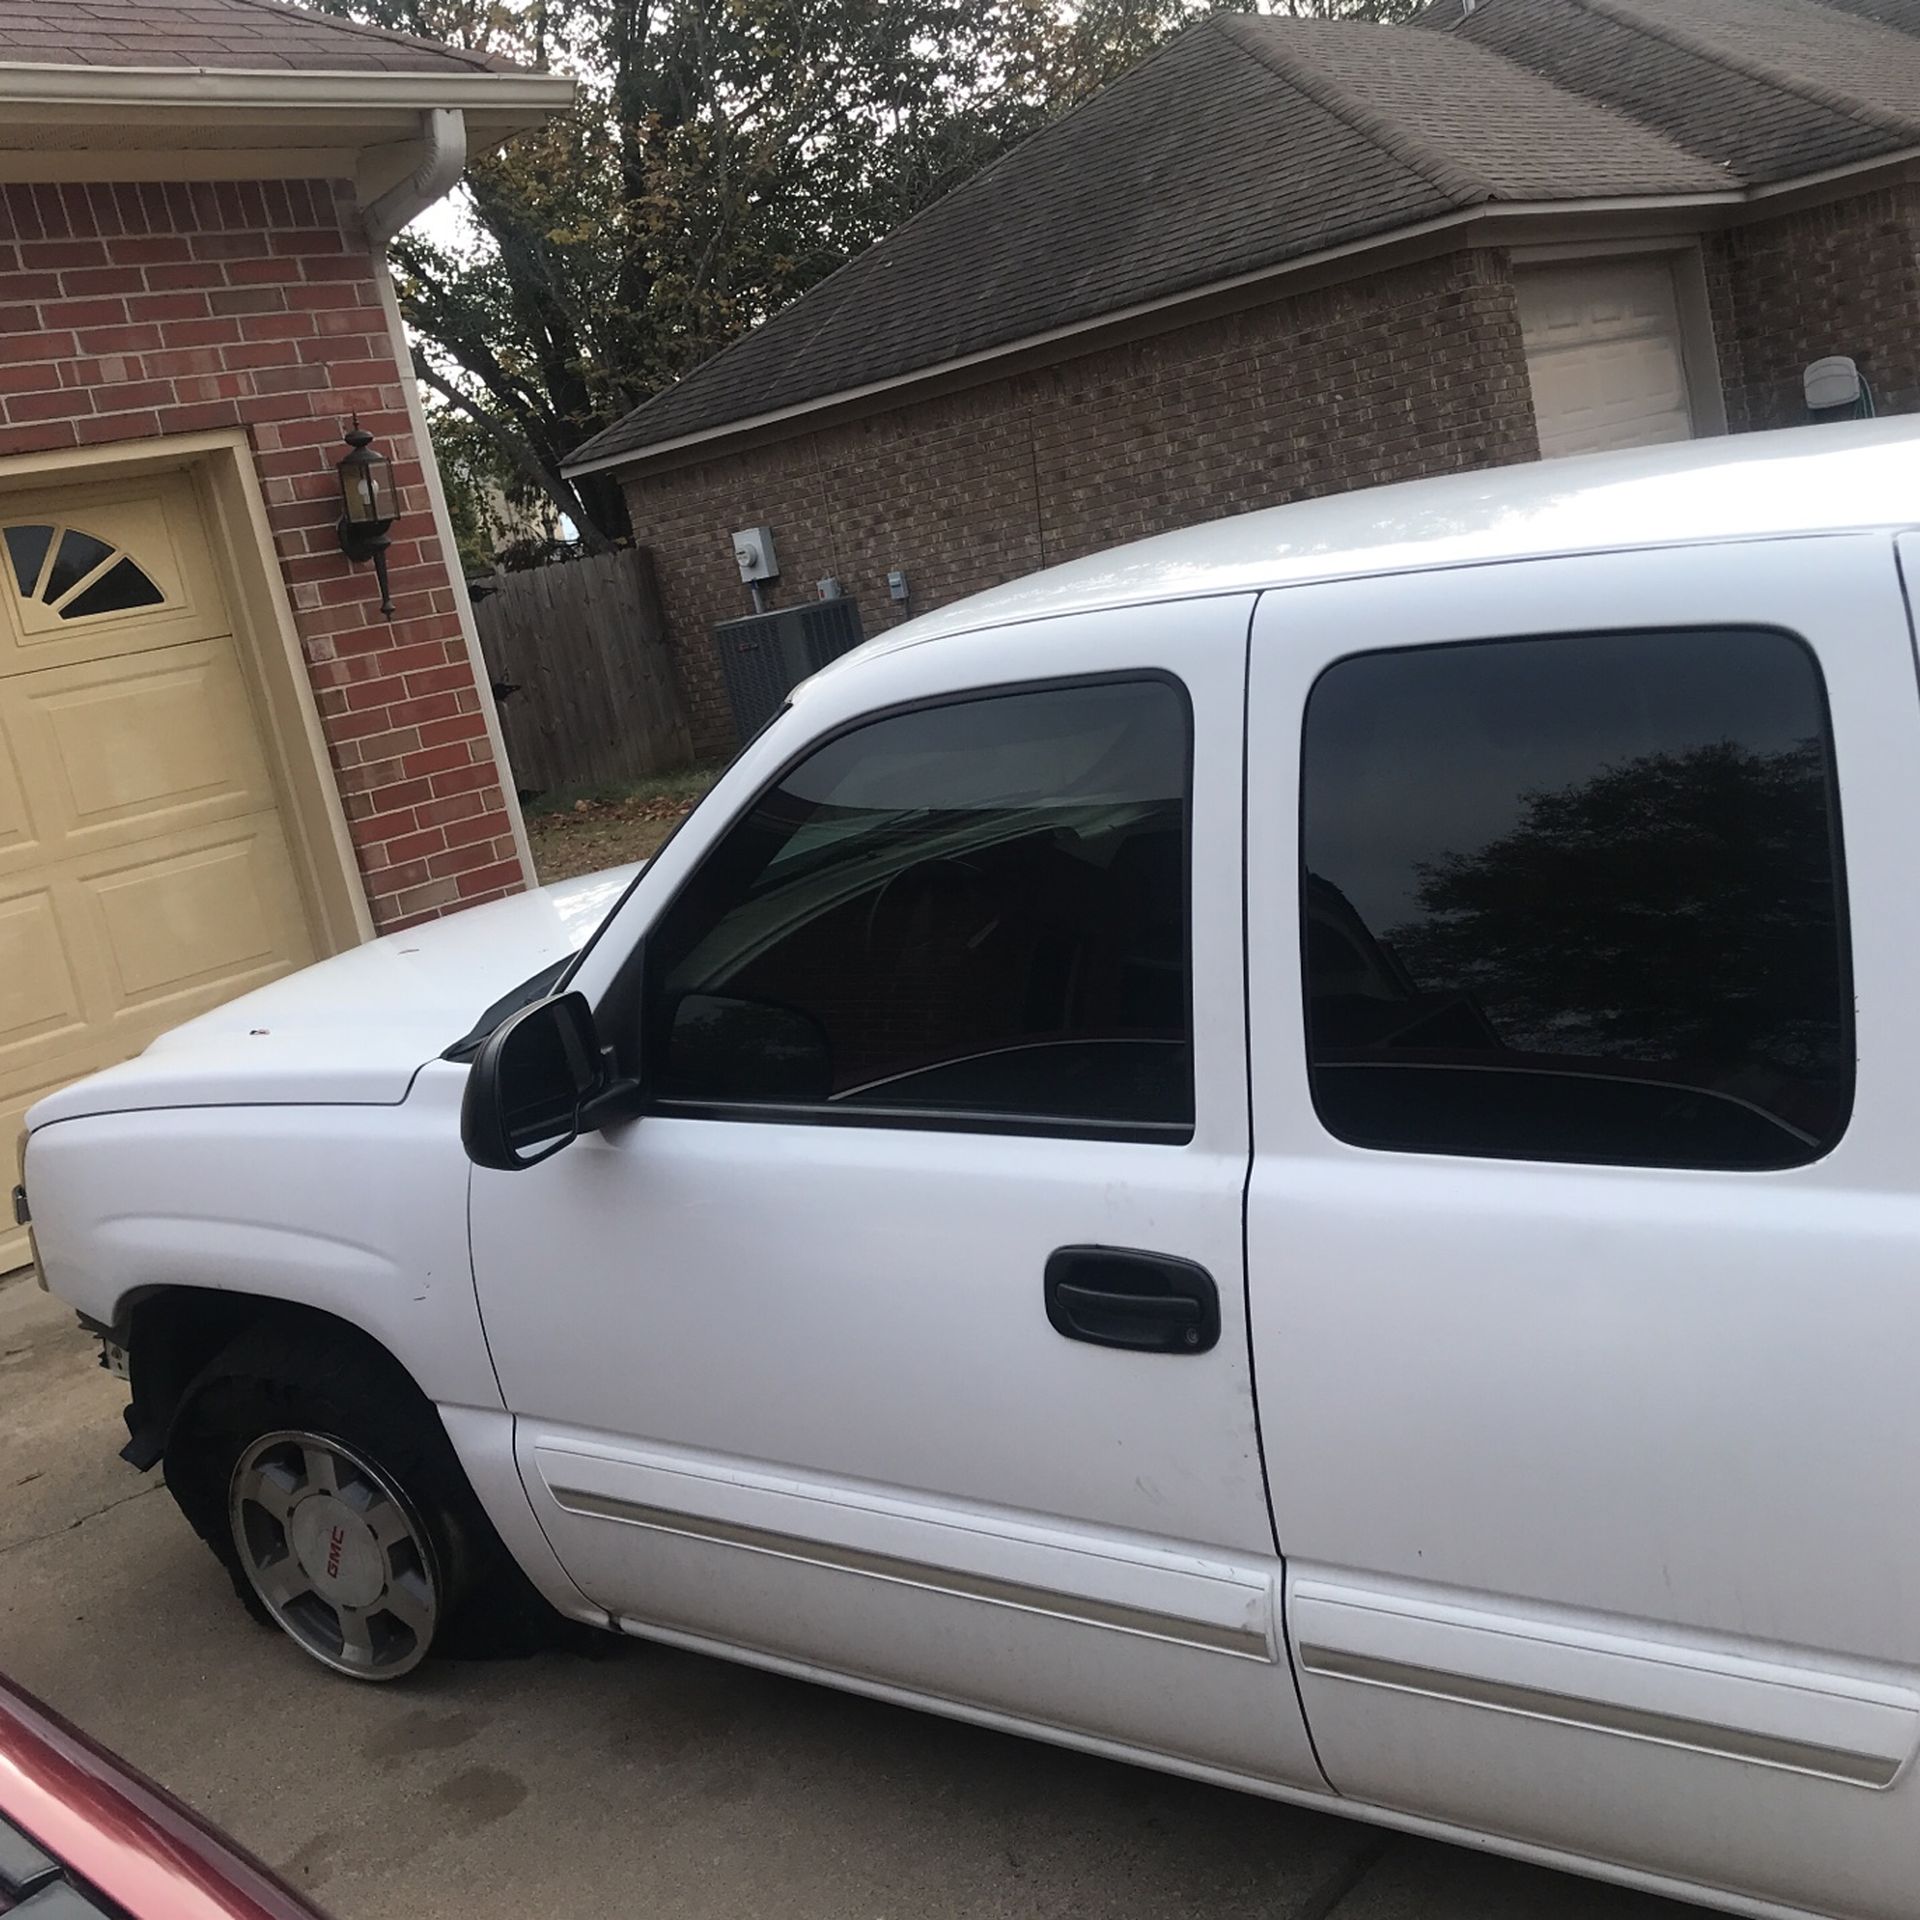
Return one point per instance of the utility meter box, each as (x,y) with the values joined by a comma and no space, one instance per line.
(753,554)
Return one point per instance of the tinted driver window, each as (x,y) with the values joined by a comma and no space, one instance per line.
(974,910)
(1578,899)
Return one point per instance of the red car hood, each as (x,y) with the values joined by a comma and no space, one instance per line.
(69,1809)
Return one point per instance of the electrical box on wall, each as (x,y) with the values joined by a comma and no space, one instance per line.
(753,554)
(1832,382)
(1838,383)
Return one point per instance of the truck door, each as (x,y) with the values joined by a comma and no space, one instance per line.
(903,1338)
(1584,1226)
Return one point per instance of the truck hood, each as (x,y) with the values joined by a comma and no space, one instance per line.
(355,1029)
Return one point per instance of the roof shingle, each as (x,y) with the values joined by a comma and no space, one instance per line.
(1501,132)
(1250,141)
(1856,65)
(1242,144)
(235,35)
(1752,125)
(1901,14)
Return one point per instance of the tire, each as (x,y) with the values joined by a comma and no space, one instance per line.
(323,1481)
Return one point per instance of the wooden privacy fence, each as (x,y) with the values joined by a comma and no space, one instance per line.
(577,653)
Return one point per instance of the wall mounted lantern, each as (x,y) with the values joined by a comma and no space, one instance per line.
(366,499)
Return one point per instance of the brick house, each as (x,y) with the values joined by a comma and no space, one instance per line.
(218,760)
(1285,257)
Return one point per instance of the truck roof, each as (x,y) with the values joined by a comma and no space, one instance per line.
(1854,475)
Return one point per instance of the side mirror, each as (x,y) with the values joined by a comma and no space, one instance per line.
(530,1080)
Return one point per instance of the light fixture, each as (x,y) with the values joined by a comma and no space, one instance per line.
(366,488)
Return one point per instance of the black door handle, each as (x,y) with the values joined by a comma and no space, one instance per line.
(1177,1309)
(1120,1297)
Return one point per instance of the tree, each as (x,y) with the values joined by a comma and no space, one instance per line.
(1676,907)
(498,518)
(725,155)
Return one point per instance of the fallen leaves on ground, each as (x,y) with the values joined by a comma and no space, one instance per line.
(592,834)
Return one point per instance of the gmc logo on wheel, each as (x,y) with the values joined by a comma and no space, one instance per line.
(336,1541)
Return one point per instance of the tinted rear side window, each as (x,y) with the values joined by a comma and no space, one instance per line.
(1578,899)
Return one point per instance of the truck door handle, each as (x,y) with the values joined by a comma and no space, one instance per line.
(1121,1297)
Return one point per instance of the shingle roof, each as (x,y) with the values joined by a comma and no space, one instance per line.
(1244,143)
(1249,142)
(1499,132)
(237,35)
(1770,89)
(1903,14)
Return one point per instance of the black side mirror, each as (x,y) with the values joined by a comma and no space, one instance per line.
(529,1082)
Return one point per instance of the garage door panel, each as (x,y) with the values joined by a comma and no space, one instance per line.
(1605,355)
(209,919)
(105,954)
(145,875)
(19,840)
(1624,393)
(118,750)
(41,1003)
(45,620)
(1596,304)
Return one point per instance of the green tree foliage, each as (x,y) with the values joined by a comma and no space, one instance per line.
(725,155)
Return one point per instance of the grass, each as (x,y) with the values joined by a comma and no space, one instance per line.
(583,829)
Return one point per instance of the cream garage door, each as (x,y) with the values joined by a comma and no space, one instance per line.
(144,875)
(1604,352)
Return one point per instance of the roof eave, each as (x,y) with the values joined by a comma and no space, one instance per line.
(1458,225)
(201,88)
(1704,210)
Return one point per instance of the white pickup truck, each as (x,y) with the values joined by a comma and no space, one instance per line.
(1292,1153)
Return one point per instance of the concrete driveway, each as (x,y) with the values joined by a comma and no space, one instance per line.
(645,1783)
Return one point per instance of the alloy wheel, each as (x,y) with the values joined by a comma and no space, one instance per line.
(335,1553)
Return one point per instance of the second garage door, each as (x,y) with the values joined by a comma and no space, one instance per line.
(144,871)
(1604,353)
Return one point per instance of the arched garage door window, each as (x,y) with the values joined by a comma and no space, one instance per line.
(76,573)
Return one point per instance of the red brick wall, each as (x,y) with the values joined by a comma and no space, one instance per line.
(1841,278)
(1410,372)
(128,312)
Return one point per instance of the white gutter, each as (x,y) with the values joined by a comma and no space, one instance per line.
(1801,182)
(28,83)
(445,129)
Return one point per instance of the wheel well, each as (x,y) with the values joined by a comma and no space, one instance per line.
(172,1335)
(187,1397)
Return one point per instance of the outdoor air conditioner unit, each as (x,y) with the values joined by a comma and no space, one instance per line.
(764,656)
